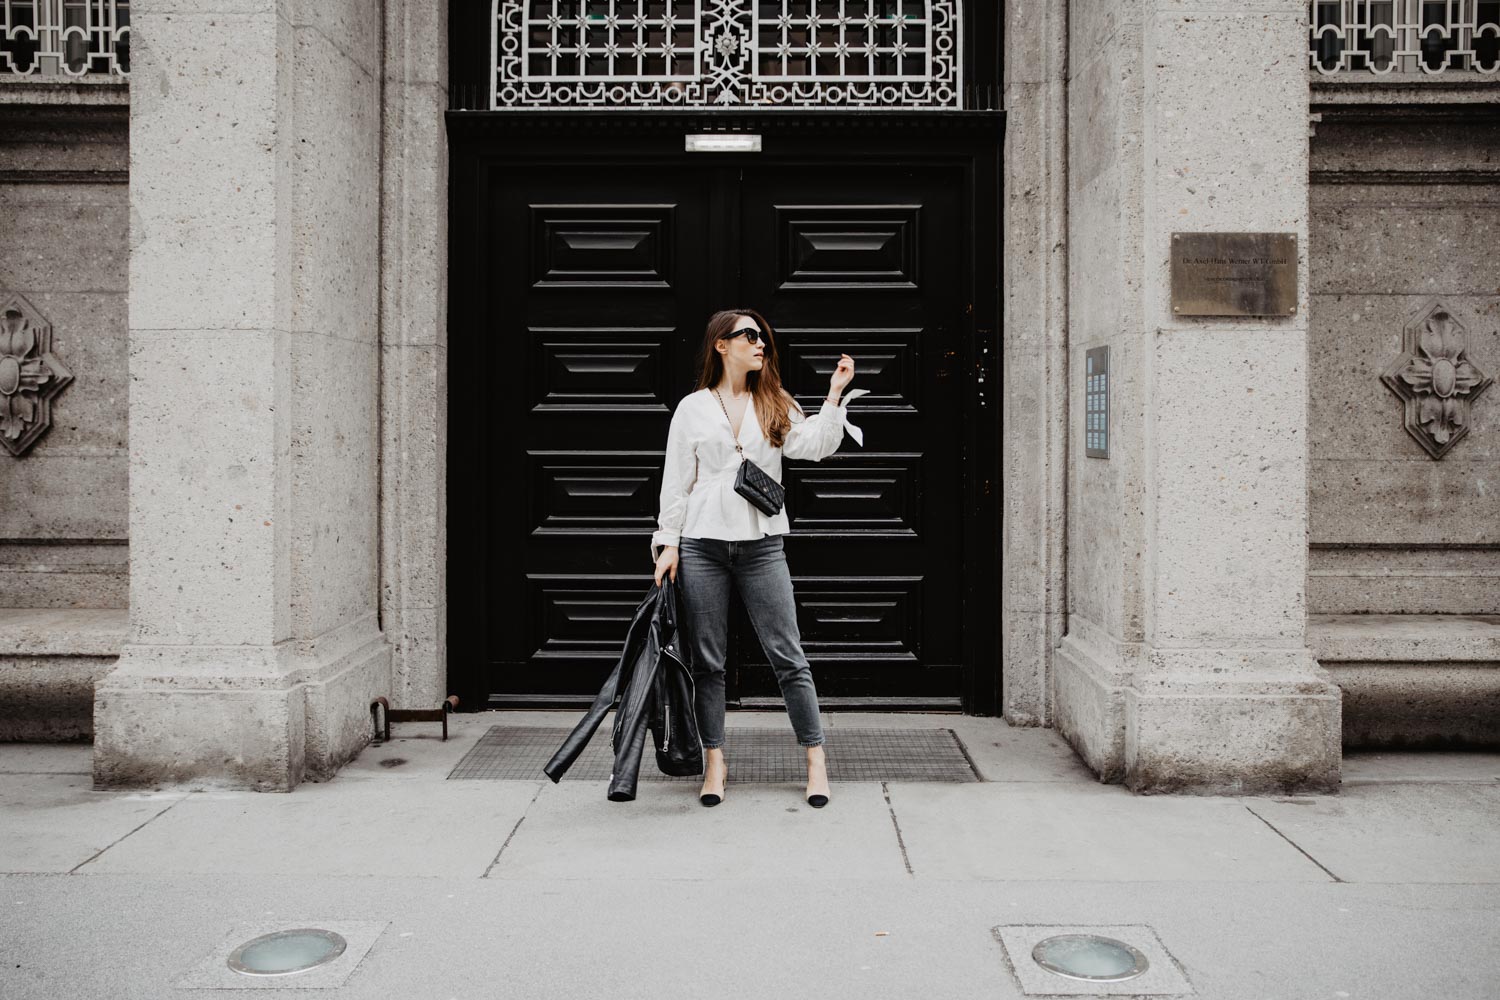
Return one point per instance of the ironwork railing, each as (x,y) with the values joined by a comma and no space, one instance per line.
(1404,38)
(61,39)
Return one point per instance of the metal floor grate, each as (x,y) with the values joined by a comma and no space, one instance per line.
(759,755)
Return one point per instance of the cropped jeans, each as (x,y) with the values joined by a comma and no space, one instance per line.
(706,570)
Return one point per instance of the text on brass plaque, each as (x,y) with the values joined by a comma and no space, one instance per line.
(1234,274)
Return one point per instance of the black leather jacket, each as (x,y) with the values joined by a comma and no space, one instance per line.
(653,681)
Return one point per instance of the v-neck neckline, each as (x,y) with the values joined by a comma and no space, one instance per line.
(748,414)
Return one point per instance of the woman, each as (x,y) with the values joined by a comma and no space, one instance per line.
(715,539)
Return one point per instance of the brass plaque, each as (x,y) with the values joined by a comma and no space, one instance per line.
(1234,274)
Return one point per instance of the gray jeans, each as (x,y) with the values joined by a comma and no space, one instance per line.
(706,569)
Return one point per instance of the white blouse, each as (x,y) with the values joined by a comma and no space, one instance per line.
(697,487)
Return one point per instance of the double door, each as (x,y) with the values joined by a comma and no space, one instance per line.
(582,315)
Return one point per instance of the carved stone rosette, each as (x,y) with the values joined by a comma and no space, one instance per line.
(30,374)
(1436,381)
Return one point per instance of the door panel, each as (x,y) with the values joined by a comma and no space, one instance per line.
(836,246)
(602,246)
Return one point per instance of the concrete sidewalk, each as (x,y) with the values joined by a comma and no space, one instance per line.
(528,889)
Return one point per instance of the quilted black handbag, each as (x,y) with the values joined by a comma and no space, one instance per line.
(752,482)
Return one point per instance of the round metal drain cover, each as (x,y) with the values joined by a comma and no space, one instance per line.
(1089,957)
(286,952)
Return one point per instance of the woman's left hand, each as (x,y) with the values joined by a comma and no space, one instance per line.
(842,375)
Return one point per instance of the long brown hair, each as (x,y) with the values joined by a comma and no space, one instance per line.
(772,402)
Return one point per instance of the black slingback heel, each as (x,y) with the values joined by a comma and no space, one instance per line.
(710,799)
(818,801)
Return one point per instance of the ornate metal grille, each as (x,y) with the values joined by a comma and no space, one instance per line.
(752,54)
(64,38)
(1405,37)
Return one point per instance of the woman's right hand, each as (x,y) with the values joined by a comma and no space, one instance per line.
(666,562)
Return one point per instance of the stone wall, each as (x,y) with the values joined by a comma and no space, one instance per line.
(64,210)
(1405,216)
(1404,568)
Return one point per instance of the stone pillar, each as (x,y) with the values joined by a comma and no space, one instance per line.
(1034,373)
(255,646)
(414,344)
(1186,664)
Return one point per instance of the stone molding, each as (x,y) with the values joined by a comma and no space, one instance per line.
(286,712)
(64,177)
(1404,638)
(1407,91)
(98,93)
(1420,178)
(31,376)
(1435,379)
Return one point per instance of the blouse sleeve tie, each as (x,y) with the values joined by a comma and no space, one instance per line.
(854,432)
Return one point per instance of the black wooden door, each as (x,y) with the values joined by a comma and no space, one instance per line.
(589,290)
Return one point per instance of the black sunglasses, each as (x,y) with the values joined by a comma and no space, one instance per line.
(752,335)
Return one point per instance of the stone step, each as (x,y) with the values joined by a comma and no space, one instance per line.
(1417,681)
(50,660)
